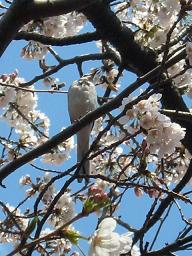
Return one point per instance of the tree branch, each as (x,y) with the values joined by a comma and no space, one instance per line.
(73,129)
(74,60)
(171,247)
(22,11)
(79,39)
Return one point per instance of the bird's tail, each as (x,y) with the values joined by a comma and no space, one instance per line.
(82,149)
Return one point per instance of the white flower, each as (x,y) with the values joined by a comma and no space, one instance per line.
(59,246)
(105,242)
(146,120)
(60,153)
(126,245)
(64,210)
(98,126)
(189,51)
(108,139)
(6,95)
(25,180)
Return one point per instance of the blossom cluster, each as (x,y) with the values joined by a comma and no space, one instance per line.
(60,246)
(100,163)
(152,22)
(64,208)
(161,153)
(63,212)
(14,236)
(162,135)
(60,153)
(57,26)
(19,110)
(175,166)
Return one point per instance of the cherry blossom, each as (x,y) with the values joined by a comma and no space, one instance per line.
(63,211)
(189,52)
(106,242)
(60,153)
(56,26)
(162,136)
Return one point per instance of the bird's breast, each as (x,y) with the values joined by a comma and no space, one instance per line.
(82,99)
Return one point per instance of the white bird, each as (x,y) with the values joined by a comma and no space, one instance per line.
(82,98)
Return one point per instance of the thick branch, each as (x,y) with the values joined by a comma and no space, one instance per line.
(134,56)
(22,11)
(79,39)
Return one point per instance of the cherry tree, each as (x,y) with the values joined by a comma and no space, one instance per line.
(141,141)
